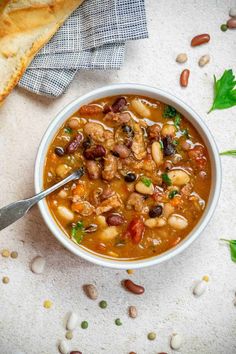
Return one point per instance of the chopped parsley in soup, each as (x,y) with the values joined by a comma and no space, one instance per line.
(147,177)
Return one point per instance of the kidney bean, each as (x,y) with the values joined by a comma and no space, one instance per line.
(231,23)
(119,105)
(114,220)
(155,211)
(184,78)
(59,151)
(121,151)
(200,39)
(107,109)
(133,288)
(94,152)
(76,352)
(74,144)
(90,110)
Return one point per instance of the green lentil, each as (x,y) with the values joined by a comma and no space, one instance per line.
(5,280)
(69,335)
(224,27)
(118,322)
(14,254)
(151,335)
(84,324)
(103,304)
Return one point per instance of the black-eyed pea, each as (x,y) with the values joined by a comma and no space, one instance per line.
(204,60)
(178,222)
(140,108)
(62,170)
(176,341)
(178,177)
(168,130)
(140,187)
(65,213)
(157,153)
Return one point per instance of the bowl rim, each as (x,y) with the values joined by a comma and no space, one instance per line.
(122,89)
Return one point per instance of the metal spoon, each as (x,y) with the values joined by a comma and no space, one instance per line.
(14,211)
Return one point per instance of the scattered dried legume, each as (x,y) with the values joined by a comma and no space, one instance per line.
(224,27)
(232,12)
(181,58)
(75,352)
(118,322)
(176,341)
(103,304)
(69,335)
(204,60)
(47,304)
(151,336)
(72,321)
(14,254)
(200,39)
(5,280)
(5,253)
(130,271)
(133,313)
(84,324)
(38,264)
(206,278)
(231,23)
(200,288)
(91,291)
(63,347)
(184,78)
(133,288)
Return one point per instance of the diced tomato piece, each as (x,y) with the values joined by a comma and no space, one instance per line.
(135,230)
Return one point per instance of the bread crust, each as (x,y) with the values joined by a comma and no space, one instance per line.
(25,26)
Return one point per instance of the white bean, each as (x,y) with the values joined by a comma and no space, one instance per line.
(38,265)
(178,222)
(62,170)
(178,177)
(155,222)
(63,347)
(168,209)
(157,153)
(176,341)
(62,194)
(140,108)
(181,58)
(204,60)
(65,213)
(200,288)
(109,233)
(72,321)
(232,12)
(143,189)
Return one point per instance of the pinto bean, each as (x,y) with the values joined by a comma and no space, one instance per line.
(119,104)
(90,110)
(94,169)
(200,39)
(133,288)
(95,152)
(121,151)
(184,78)
(114,220)
(74,144)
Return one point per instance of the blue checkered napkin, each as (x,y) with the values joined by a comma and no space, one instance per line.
(93,37)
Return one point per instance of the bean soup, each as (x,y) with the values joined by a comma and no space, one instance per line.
(147,177)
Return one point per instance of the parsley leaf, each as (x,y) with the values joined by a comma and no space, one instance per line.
(68,130)
(232,245)
(166,179)
(169,112)
(146,181)
(229,152)
(224,92)
(172,194)
(77,231)
(186,133)
(161,144)
(177,121)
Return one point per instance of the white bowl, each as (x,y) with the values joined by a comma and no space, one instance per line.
(134,89)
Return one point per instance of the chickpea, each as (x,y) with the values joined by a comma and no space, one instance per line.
(168,130)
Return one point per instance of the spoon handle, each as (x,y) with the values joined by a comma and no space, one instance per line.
(14,211)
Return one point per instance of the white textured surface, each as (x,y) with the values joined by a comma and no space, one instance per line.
(207,323)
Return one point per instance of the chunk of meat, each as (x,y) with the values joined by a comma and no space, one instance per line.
(95,196)
(138,146)
(108,204)
(95,131)
(110,167)
(154,131)
(147,164)
(186,190)
(119,118)
(83,207)
(107,192)
(94,169)
(135,201)
(198,157)
(109,140)
(135,230)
